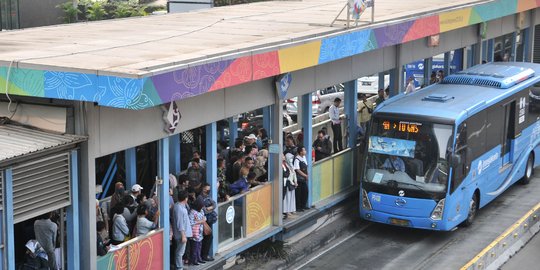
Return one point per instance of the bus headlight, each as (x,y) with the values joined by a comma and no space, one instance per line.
(365,200)
(438,211)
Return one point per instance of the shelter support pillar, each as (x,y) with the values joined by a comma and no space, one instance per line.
(381,81)
(396,74)
(529,42)
(233,131)
(490,50)
(428,65)
(73,240)
(446,67)
(9,226)
(307,125)
(163,191)
(274,161)
(131,167)
(351,109)
(211,173)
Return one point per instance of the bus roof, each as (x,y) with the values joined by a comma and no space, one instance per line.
(465,93)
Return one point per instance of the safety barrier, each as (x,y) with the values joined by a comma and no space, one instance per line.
(508,243)
(143,252)
(245,214)
(332,175)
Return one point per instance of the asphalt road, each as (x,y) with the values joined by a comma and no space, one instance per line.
(379,246)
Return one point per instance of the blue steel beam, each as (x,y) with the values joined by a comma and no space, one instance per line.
(233,132)
(307,125)
(211,173)
(73,242)
(131,167)
(490,50)
(446,67)
(351,106)
(163,171)
(8,208)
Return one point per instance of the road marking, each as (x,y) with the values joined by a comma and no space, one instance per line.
(501,237)
(333,246)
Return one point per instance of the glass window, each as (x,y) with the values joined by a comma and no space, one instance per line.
(408,155)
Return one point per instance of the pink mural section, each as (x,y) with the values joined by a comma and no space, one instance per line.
(423,27)
(142,254)
(265,65)
(239,71)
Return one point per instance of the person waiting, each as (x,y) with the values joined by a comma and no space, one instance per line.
(394,163)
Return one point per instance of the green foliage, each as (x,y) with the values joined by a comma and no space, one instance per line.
(96,11)
(70,12)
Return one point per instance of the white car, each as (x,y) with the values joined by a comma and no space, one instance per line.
(321,101)
(370,85)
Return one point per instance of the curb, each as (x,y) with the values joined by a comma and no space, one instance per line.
(508,243)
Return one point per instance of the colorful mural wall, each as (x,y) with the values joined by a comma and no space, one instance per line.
(332,176)
(144,254)
(259,209)
(143,93)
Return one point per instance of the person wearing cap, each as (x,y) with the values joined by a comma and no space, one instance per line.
(251,139)
(136,191)
(336,125)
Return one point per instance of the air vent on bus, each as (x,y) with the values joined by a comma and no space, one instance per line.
(495,75)
(471,81)
(437,98)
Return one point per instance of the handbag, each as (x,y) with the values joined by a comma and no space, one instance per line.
(207,230)
(290,186)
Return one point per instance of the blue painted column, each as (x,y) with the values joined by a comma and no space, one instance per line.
(307,124)
(163,172)
(131,167)
(351,110)
(526,35)
(514,47)
(490,50)
(396,81)
(381,81)
(270,133)
(484,49)
(174,154)
(428,65)
(233,131)
(72,216)
(8,208)
(446,67)
(211,174)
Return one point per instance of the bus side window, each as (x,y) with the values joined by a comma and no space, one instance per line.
(465,154)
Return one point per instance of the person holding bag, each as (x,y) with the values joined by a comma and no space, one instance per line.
(289,187)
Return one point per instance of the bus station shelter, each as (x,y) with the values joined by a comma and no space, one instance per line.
(108,87)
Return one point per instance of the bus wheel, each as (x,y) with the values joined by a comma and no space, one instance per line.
(529,171)
(473,209)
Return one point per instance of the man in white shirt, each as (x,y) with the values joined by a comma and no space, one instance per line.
(336,125)
(410,85)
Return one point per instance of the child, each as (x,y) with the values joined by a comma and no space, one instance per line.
(197,218)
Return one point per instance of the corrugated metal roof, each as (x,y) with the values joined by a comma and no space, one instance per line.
(17,141)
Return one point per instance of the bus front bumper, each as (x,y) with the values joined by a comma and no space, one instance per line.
(403,221)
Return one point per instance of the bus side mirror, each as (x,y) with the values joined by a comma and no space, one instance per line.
(455,160)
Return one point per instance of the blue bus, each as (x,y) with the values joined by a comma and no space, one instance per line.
(436,156)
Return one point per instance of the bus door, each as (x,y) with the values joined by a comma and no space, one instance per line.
(508,134)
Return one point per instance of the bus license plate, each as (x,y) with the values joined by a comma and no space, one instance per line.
(399,222)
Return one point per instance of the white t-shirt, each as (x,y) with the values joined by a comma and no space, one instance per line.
(334,114)
(296,163)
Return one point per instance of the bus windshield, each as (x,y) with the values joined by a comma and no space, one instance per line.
(408,156)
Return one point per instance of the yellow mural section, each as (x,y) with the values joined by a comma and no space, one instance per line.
(454,19)
(259,209)
(299,57)
(327,179)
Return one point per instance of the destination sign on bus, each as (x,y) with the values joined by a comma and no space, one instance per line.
(401,126)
